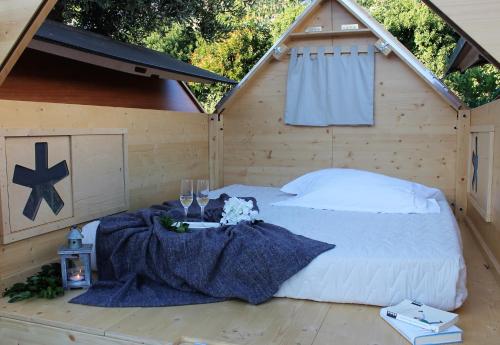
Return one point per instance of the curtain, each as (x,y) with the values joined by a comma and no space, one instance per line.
(330,89)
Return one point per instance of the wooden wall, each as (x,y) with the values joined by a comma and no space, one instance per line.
(488,234)
(19,20)
(42,77)
(164,147)
(414,136)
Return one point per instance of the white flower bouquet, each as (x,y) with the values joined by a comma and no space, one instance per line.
(238,210)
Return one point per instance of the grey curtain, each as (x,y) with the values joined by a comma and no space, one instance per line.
(330,89)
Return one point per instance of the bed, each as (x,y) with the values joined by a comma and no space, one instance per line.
(379,258)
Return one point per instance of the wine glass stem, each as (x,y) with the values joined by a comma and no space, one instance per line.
(185,214)
(202,213)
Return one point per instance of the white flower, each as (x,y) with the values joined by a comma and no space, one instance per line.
(238,210)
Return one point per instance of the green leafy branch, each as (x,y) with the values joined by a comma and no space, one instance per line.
(45,284)
(172,225)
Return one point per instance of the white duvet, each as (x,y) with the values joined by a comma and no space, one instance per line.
(379,259)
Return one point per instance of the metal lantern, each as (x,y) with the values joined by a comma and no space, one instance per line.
(76,268)
(75,238)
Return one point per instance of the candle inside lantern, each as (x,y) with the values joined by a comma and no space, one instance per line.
(76,275)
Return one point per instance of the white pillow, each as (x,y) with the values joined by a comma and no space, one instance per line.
(363,191)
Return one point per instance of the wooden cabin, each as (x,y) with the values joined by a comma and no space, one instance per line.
(69,81)
(133,124)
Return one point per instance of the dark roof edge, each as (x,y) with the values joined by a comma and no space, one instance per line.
(462,33)
(214,78)
(191,95)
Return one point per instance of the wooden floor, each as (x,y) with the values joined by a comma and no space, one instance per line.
(280,321)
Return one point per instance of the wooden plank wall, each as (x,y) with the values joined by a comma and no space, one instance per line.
(164,147)
(414,136)
(488,234)
(19,20)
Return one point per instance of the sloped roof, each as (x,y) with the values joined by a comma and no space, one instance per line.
(89,42)
(378,30)
(477,22)
(19,21)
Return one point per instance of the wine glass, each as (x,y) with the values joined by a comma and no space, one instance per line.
(202,189)
(186,195)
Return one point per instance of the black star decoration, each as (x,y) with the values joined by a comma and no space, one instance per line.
(475,165)
(41,181)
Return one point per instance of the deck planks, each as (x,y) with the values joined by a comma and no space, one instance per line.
(278,322)
(61,314)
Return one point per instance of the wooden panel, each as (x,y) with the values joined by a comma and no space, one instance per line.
(20,151)
(479,186)
(322,16)
(19,20)
(164,147)
(489,115)
(42,77)
(414,135)
(98,173)
(95,184)
(258,147)
(15,16)
(341,16)
(477,19)
(463,129)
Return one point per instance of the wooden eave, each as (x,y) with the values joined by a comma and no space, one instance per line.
(19,21)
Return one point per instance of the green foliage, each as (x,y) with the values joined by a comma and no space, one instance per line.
(172,225)
(477,85)
(177,40)
(45,284)
(232,57)
(133,20)
(432,41)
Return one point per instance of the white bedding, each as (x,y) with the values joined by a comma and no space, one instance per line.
(379,259)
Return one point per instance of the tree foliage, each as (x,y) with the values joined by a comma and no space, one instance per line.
(133,20)
(232,57)
(177,40)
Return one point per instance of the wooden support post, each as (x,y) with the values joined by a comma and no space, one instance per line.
(463,133)
(216,150)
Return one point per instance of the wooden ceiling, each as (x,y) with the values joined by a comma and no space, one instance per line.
(19,21)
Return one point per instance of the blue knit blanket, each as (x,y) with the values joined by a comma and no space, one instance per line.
(141,264)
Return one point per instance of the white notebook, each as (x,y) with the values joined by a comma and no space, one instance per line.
(422,316)
(419,336)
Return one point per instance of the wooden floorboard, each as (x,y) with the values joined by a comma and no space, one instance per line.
(278,322)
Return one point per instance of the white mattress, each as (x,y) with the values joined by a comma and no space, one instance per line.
(379,259)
